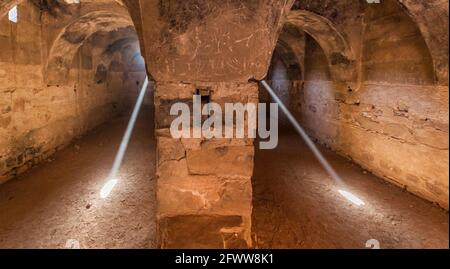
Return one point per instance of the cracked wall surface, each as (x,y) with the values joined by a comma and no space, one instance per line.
(209,40)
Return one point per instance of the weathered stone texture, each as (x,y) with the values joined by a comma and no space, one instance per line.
(203,182)
(208,231)
(210,40)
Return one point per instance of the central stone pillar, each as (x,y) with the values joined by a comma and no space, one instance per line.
(204,188)
(204,185)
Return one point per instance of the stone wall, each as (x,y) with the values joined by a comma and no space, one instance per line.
(204,185)
(37,119)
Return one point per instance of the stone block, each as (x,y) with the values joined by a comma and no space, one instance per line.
(199,232)
(204,195)
(170,149)
(226,160)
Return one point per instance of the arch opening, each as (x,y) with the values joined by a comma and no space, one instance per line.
(366,72)
(70,74)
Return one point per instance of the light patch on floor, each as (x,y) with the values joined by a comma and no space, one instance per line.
(297,205)
(59,205)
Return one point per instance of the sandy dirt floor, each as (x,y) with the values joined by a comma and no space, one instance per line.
(297,205)
(60,199)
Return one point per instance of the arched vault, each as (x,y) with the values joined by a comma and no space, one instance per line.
(336,48)
(72,37)
(431,16)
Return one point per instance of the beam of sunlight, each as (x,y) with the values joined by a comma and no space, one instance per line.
(352,198)
(323,161)
(325,164)
(112,178)
(13,15)
(107,189)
